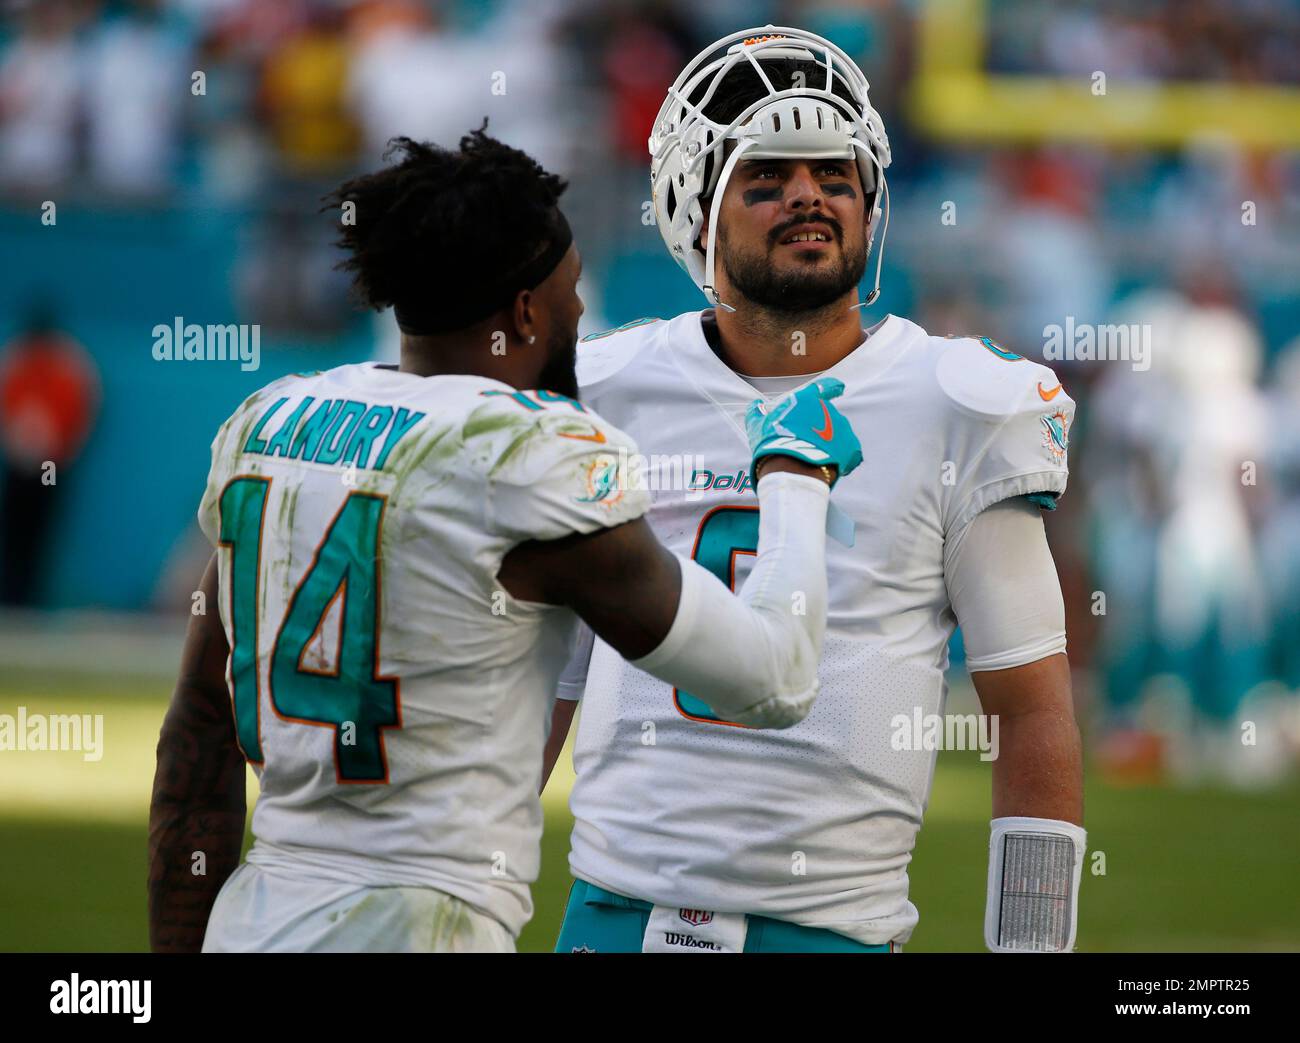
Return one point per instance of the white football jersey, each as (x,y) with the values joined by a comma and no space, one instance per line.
(392,698)
(814,824)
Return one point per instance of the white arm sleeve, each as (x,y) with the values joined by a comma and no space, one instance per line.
(1003,587)
(573,680)
(753,656)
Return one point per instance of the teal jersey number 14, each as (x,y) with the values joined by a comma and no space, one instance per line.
(351,697)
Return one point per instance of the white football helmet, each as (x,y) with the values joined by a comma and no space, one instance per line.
(808,122)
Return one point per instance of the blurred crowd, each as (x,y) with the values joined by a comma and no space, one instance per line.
(1185,501)
(1247,41)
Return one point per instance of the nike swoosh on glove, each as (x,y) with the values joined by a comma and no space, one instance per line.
(805,425)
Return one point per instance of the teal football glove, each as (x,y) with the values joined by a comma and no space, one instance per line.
(806,426)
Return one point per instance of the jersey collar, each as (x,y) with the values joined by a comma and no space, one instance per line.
(720,383)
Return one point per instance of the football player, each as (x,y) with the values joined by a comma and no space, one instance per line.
(768,172)
(400,554)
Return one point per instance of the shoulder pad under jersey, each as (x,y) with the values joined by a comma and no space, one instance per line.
(553,470)
(981,376)
(603,354)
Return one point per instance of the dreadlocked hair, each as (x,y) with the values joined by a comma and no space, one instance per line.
(427,227)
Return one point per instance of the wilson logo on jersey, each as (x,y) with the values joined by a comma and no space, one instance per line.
(1056,433)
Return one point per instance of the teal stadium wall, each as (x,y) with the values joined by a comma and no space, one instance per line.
(133,493)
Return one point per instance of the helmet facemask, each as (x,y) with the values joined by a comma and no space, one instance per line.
(824,113)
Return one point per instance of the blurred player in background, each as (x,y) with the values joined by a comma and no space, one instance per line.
(1210,594)
(768,174)
(49,399)
(1178,507)
(1281,542)
(398,549)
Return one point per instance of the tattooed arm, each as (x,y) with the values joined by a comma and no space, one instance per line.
(198,789)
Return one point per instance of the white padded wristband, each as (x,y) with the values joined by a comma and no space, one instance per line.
(1035,865)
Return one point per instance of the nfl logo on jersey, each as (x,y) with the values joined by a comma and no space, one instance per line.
(695,917)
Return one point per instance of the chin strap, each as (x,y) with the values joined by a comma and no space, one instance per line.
(884,231)
(714,209)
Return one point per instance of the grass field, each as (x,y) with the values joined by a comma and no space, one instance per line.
(1190,870)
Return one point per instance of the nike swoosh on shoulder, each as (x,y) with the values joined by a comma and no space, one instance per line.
(1047,396)
(597,436)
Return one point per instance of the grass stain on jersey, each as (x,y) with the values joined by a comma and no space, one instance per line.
(288,512)
(250,419)
(521,439)
(487,422)
(438,926)
(412,455)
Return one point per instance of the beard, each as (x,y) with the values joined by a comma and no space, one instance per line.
(560,374)
(799,288)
